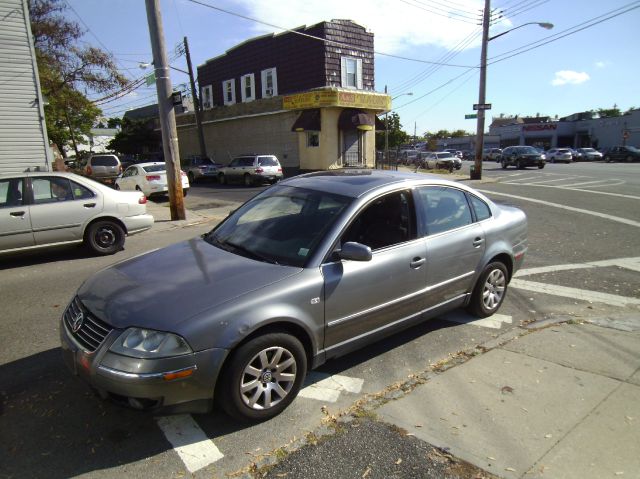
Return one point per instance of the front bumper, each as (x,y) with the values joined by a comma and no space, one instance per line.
(142,383)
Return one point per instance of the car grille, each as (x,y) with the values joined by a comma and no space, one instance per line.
(90,331)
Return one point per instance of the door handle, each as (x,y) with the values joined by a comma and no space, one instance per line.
(17,213)
(417,262)
(89,205)
(477,242)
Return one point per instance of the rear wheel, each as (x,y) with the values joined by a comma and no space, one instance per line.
(247,180)
(263,377)
(504,164)
(520,165)
(490,290)
(629,159)
(104,237)
(607,159)
(541,166)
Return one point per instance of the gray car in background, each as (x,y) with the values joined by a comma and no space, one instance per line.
(308,270)
(105,168)
(251,169)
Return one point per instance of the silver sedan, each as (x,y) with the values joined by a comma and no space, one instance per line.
(308,270)
(41,209)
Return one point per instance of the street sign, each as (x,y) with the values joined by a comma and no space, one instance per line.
(150,79)
(471,116)
(482,106)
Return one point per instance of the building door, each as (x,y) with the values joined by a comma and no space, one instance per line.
(351,148)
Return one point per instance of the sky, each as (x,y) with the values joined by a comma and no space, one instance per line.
(590,69)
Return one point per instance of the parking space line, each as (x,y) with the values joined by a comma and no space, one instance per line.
(632,263)
(606,182)
(190,442)
(574,293)
(325,387)
(549,181)
(494,322)
(568,208)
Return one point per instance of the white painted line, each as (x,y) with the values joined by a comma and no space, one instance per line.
(593,183)
(619,195)
(544,182)
(552,269)
(192,445)
(493,322)
(574,293)
(324,387)
(568,208)
(627,263)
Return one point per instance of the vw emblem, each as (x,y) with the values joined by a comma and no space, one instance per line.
(76,322)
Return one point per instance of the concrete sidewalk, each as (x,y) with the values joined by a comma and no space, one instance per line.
(560,402)
(162,215)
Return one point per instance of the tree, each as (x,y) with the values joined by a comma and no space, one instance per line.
(396,136)
(114,122)
(609,112)
(68,72)
(135,137)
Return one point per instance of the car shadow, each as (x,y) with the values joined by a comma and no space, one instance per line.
(45,255)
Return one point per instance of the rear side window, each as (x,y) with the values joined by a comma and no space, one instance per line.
(443,209)
(481,208)
(105,160)
(267,161)
(246,161)
(11,192)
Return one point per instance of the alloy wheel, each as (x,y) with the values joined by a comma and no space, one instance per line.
(268,378)
(494,288)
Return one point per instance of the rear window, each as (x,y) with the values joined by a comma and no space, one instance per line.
(154,168)
(104,161)
(267,161)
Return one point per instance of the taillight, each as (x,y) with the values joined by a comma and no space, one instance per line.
(142,200)
(153,178)
(89,171)
(259,170)
(279,170)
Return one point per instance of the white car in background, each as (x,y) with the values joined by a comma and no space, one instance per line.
(563,155)
(150,178)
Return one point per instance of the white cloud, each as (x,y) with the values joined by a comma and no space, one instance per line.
(569,77)
(396,26)
(600,64)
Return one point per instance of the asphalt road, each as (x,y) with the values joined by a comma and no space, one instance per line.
(583,230)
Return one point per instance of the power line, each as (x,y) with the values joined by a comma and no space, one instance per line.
(324,40)
(447,13)
(526,8)
(447,95)
(450,6)
(569,31)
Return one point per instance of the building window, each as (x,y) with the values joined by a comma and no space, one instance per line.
(248,86)
(229,92)
(351,72)
(313,139)
(269,83)
(207,97)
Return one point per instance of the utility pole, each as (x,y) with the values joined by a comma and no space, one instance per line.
(477,172)
(196,103)
(386,134)
(165,107)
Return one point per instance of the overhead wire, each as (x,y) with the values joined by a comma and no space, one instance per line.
(447,14)
(431,107)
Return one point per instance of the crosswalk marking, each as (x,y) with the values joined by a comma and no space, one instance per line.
(325,387)
(190,442)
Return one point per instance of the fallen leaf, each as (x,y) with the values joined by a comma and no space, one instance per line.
(510,469)
(524,409)
(418,425)
(399,461)
(619,473)
(283,474)
(492,458)
(573,345)
(548,436)
(366,473)
(507,389)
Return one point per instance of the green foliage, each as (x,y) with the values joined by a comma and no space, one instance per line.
(609,112)
(135,137)
(68,70)
(396,136)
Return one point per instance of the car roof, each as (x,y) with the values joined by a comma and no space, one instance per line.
(354,182)
(149,163)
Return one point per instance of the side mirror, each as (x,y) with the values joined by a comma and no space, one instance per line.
(355,252)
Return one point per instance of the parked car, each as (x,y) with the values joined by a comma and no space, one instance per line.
(200,169)
(454,152)
(492,154)
(441,160)
(150,178)
(521,157)
(305,271)
(468,155)
(105,168)
(410,157)
(41,209)
(588,154)
(251,169)
(622,153)
(560,155)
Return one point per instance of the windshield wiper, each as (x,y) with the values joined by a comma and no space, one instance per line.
(251,254)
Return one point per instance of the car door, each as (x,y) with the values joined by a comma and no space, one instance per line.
(15,220)
(362,297)
(455,243)
(127,181)
(57,219)
(231,172)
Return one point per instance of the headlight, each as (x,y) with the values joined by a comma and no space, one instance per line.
(147,343)
(543,156)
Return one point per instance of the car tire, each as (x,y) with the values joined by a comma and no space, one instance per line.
(252,366)
(629,159)
(489,291)
(540,166)
(104,237)
(520,165)
(221,179)
(247,180)
(192,179)
(503,163)
(607,159)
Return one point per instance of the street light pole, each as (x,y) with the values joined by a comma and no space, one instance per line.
(476,174)
(386,125)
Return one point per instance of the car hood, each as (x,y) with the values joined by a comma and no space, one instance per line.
(163,288)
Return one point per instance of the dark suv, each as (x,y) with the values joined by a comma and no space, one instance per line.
(521,157)
(622,153)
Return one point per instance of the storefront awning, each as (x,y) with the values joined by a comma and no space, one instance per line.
(309,120)
(354,119)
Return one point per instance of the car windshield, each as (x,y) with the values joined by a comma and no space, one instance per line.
(587,150)
(104,161)
(154,168)
(528,150)
(444,155)
(283,225)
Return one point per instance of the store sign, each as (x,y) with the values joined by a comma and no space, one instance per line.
(328,98)
(540,127)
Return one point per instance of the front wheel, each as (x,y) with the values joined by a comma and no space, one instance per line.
(490,290)
(104,237)
(504,164)
(541,166)
(629,159)
(520,165)
(607,159)
(263,377)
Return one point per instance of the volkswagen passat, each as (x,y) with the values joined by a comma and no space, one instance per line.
(308,270)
